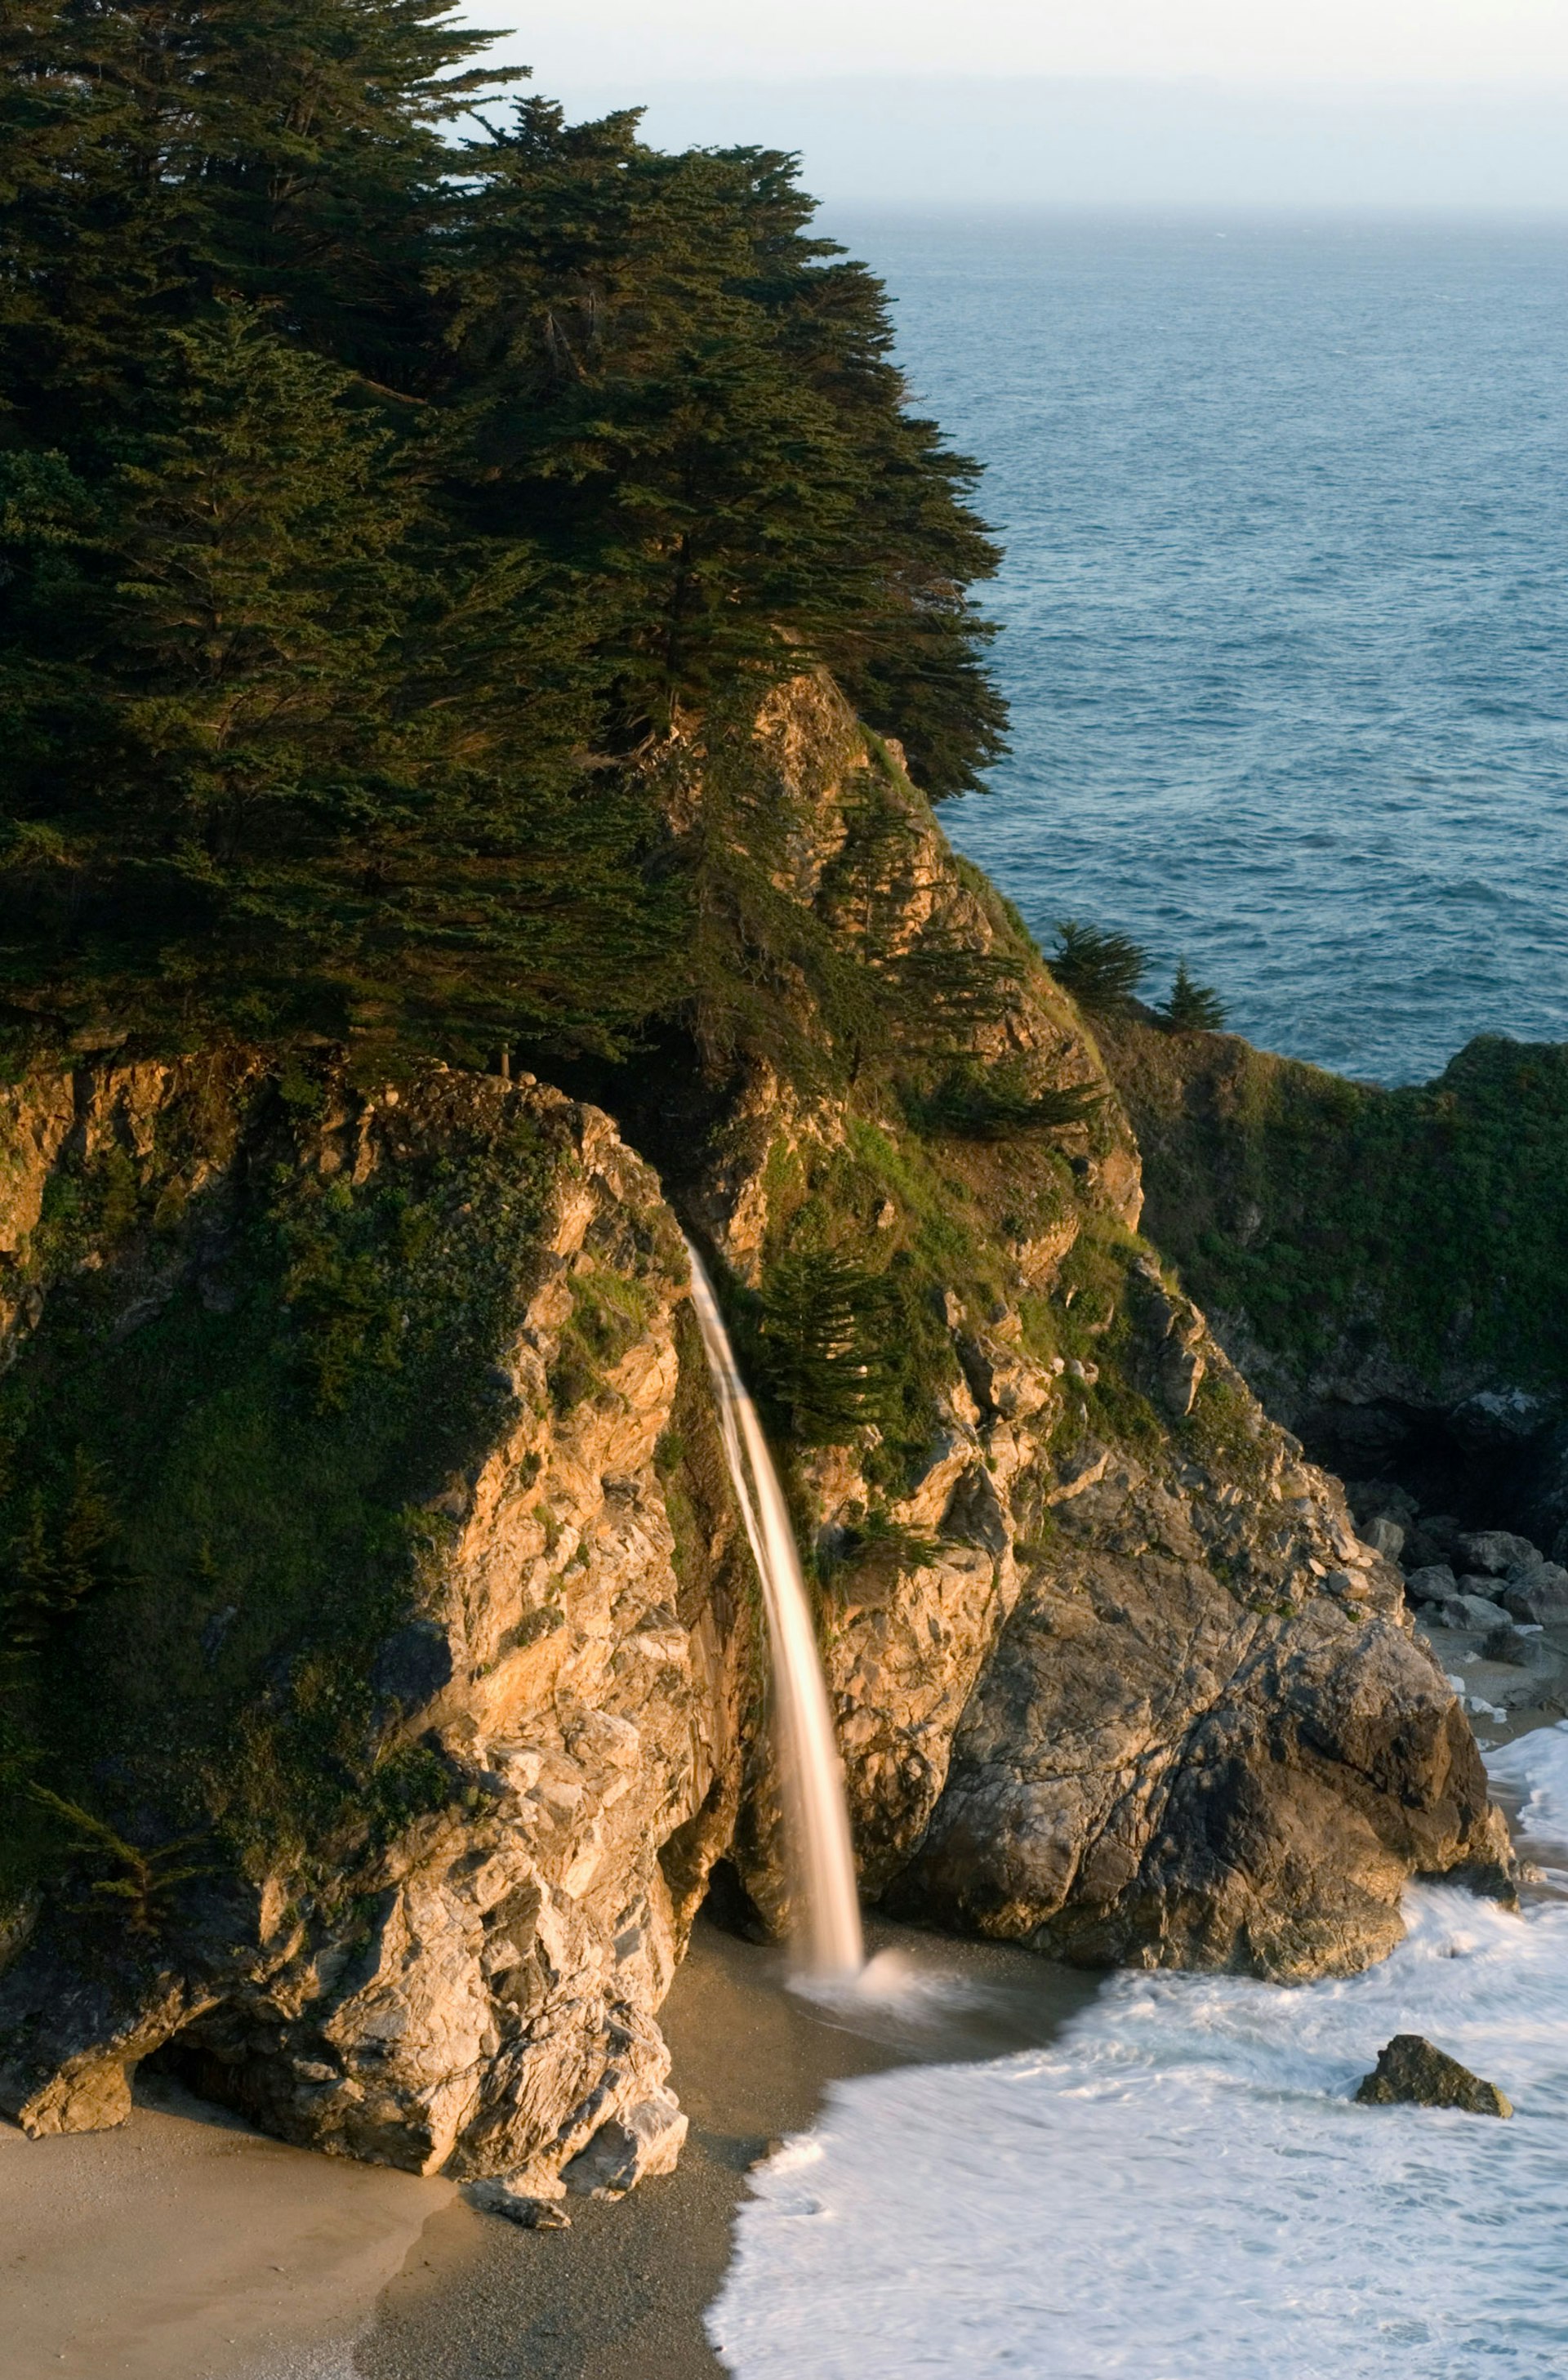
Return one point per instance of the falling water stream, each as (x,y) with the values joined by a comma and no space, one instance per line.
(825,1903)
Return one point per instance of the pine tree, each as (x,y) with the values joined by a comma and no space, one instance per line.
(1102,970)
(1193,1007)
(825,1357)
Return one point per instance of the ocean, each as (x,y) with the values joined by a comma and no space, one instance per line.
(1183,2187)
(1284,605)
(1283,616)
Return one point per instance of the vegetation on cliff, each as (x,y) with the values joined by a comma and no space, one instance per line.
(1341,1221)
(224,1461)
(368,495)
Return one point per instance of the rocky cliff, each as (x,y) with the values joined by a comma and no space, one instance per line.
(384,1679)
(1384,1263)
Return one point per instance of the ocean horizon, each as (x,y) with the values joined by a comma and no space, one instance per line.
(1283,504)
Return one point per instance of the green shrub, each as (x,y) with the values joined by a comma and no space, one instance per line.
(978,1103)
(1102,970)
(824,1332)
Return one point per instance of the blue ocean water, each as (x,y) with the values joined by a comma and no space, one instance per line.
(1284,605)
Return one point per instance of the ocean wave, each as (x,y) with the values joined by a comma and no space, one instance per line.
(1182,2186)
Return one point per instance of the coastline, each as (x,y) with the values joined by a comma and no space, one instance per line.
(186,2246)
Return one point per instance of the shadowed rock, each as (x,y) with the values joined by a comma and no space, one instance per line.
(1411,2072)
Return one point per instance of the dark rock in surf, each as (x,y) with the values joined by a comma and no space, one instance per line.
(1410,2072)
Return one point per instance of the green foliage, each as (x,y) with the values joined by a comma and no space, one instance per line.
(1427,1221)
(688,396)
(361,521)
(878,1539)
(240,796)
(978,1103)
(1192,1007)
(824,1329)
(198,1599)
(142,1882)
(1102,970)
(64,1552)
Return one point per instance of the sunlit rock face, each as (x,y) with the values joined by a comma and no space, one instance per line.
(414,1682)
(475,1993)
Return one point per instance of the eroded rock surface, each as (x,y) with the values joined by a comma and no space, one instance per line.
(429,1623)
(479,1996)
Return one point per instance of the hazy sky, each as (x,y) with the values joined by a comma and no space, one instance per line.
(1428,104)
(1335,41)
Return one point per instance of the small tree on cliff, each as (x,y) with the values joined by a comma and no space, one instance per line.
(1192,1007)
(1102,970)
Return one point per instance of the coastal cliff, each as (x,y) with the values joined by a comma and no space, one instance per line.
(386,1679)
(1383,1263)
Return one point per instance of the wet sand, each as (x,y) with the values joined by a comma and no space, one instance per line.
(185,2246)
(188,2246)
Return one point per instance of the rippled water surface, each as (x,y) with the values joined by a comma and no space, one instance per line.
(1285,607)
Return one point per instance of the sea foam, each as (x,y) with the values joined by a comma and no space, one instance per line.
(1182,2185)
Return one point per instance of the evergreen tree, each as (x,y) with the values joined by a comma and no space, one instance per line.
(366,503)
(269,741)
(676,391)
(1102,970)
(157,153)
(1193,1007)
(826,1328)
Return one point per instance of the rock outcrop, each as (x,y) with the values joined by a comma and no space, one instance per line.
(476,1992)
(1383,1264)
(1115,1674)
(388,1654)
(1411,2072)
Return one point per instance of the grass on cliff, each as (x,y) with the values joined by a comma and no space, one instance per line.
(1340,1218)
(266,1389)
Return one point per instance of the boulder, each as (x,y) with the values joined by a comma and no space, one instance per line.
(1432,1538)
(1520,1648)
(1384,1536)
(642,2140)
(1375,1500)
(518,2203)
(1539,1594)
(1476,1612)
(1501,1418)
(1410,2072)
(1496,1552)
(1433,1583)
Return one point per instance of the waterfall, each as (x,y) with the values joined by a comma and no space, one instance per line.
(826,1905)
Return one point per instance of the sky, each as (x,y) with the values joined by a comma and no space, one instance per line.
(1323,40)
(1426,104)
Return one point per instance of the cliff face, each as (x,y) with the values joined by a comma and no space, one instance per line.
(1115,1673)
(428,1637)
(1383,1263)
(382,1638)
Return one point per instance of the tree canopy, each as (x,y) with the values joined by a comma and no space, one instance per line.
(381,465)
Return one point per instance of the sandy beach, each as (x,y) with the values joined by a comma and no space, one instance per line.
(186,2246)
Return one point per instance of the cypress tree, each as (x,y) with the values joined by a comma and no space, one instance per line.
(157,153)
(366,503)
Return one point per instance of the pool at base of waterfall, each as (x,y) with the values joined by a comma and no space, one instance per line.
(1182,2184)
